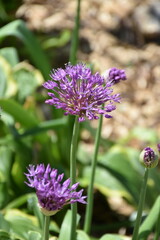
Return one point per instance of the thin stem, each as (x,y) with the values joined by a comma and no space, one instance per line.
(46,227)
(89,207)
(73,60)
(140,205)
(73,152)
(157,233)
(74,43)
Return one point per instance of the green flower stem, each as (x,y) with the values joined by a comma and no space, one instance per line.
(157,232)
(73,152)
(140,205)
(74,43)
(73,60)
(46,227)
(89,207)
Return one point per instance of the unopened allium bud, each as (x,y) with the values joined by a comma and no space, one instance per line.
(149,158)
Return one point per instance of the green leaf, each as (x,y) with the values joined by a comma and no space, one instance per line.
(58,41)
(122,163)
(18,202)
(5,235)
(5,174)
(114,237)
(81,235)
(66,228)
(150,221)
(27,78)
(21,223)
(10,54)
(33,205)
(4,224)
(18,112)
(105,182)
(44,126)
(19,30)
(34,235)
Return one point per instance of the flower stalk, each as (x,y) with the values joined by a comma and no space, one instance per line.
(89,207)
(140,205)
(46,227)
(73,152)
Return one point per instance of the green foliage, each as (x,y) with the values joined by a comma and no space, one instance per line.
(19,30)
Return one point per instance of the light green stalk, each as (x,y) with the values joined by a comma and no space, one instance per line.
(157,232)
(46,227)
(73,152)
(89,208)
(140,205)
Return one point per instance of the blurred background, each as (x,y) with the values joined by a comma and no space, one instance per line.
(35,36)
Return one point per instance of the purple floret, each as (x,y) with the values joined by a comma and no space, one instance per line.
(79,92)
(52,194)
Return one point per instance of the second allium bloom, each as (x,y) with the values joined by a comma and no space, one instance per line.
(52,194)
(79,92)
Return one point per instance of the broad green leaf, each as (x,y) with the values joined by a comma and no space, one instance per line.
(150,221)
(114,237)
(20,114)
(105,182)
(10,54)
(27,78)
(4,224)
(5,173)
(18,202)
(21,223)
(44,126)
(81,235)
(66,228)
(33,205)
(34,235)
(19,30)
(8,85)
(122,163)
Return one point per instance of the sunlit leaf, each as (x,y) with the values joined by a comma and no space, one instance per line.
(65,228)
(34,235)
(114,237)
(21,223)
(10,54)
(81,235)
(19,30)
(18,112)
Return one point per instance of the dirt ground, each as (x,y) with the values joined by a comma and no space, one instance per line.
(113,33)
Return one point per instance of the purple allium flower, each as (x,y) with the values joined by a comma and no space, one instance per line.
(149,158)
(116,75)
(52,194)
(79,92)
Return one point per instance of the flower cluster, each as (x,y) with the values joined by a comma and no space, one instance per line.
(52,194)
(79,92)
(149,158)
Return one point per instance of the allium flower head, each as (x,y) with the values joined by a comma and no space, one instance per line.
(149,158)
(79,92)
(52,194)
